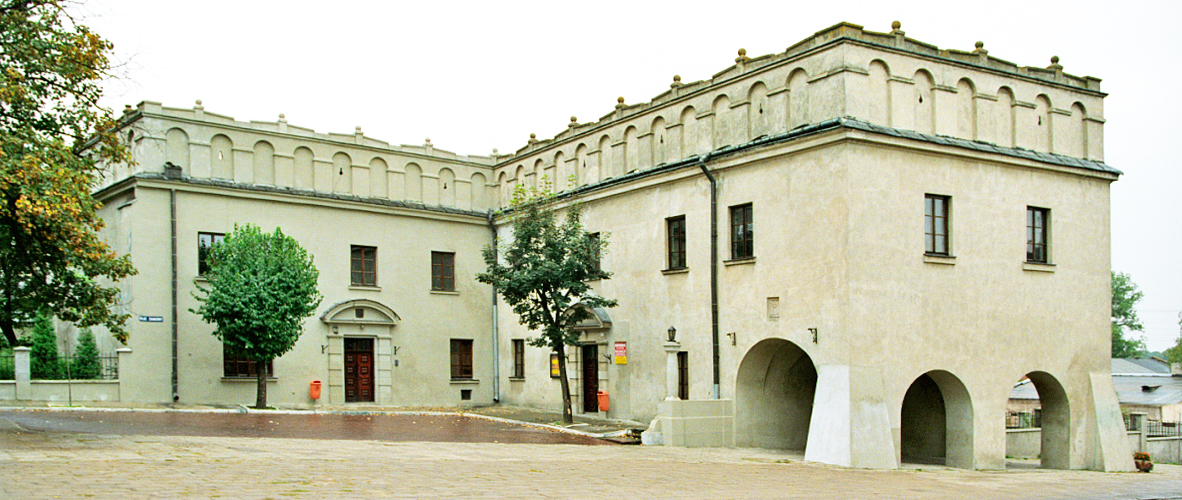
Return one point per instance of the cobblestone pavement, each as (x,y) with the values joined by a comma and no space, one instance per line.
(51,464)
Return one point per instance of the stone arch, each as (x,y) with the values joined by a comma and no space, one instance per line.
(304,175)
(605,155)
(360,311)
(1055,420)
(447,187)
(966,109)
(221,157)
(1079,130)
(631,161)
(1046,132)
(378,178)
(660,137)
(479,191)
(581,168)
(936,421)
(565,172)
(264,163)
(1005,117)
(413,182)
(722,128)
(798,98)
(925,102)
(774,391)
(342,173)
(758,112)
(689,131)
(176,149)
(878,98)
(503,187)
(519,177)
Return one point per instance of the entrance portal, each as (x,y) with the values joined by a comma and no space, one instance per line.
(936,424)
(358,370)
(774,393)
(590,363)
(1054,419)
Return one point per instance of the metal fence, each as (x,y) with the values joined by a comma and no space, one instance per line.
(1154,428)
(1130,422)
(7,367)
(1024,419)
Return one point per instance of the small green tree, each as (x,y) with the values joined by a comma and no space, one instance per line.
(1125,296)
(43,362)
(85,364)
(544,272)
(261,287)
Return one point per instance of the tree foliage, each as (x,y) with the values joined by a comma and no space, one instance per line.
(54,139)
(261,287)
(1125,296)
(43,357)
(544,274)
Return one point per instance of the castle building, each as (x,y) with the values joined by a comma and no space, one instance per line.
(861,243)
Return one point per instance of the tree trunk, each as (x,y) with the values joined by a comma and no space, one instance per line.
(9,331)
(567,416)
(260,401)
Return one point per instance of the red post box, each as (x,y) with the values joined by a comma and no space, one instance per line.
(603,401)
(314,389)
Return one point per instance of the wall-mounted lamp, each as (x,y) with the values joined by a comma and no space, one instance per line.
(395,348)
(672,334)
(732,335)
(814,332)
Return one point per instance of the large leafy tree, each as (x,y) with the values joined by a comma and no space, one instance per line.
(544,275)
(1124,317)
(261,287)
(54,138)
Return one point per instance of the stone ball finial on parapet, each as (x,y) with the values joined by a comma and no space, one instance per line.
(198,106)
(620,102)
(282,117)
(676,81)
(574,122)
(742,56)
(533,138)
(1055,66)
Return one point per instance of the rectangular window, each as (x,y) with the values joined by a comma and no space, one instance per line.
(683,375)
(742,232)
(363,266)
(935,224)
(461,359)
(205,243)
(595,262)
(443,271)
(1037,221)
(234,365)
(518,358)
(675,233)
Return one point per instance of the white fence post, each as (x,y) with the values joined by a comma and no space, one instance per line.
(124,354)
(24,385)
(1141,420)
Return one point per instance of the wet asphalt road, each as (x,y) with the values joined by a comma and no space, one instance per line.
(377,427)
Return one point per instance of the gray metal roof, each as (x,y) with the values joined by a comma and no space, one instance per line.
(1146,387)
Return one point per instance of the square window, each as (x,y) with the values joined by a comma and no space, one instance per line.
(235,365)
(675,236)
(935,224)
(205,243)
(742,232)
(363,266)
(443,271)
(518,358)
(461,359)
(1037,244)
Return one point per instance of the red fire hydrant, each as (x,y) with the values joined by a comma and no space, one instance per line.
(314,389)
(604,404)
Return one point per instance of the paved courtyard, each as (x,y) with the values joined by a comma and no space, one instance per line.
(45,463)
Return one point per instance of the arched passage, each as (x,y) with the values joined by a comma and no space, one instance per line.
(1054,413)
(774,396)
(936,422)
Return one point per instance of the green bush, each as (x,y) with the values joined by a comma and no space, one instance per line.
(85,364)
(44,363)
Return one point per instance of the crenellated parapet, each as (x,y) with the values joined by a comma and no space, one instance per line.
(277,154)
(884,79)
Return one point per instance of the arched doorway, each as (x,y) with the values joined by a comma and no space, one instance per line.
(1049,413)
(936,421)
(774,392)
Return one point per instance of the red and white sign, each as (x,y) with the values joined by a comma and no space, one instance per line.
(621,353)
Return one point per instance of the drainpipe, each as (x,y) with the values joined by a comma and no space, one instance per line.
(713,266)
(176,395)
(495,333)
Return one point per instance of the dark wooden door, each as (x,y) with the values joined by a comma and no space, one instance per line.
(358,370)
(590,378)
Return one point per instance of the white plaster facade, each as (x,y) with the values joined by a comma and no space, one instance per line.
(839,336)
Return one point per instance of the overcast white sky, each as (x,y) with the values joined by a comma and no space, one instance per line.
(474,76)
